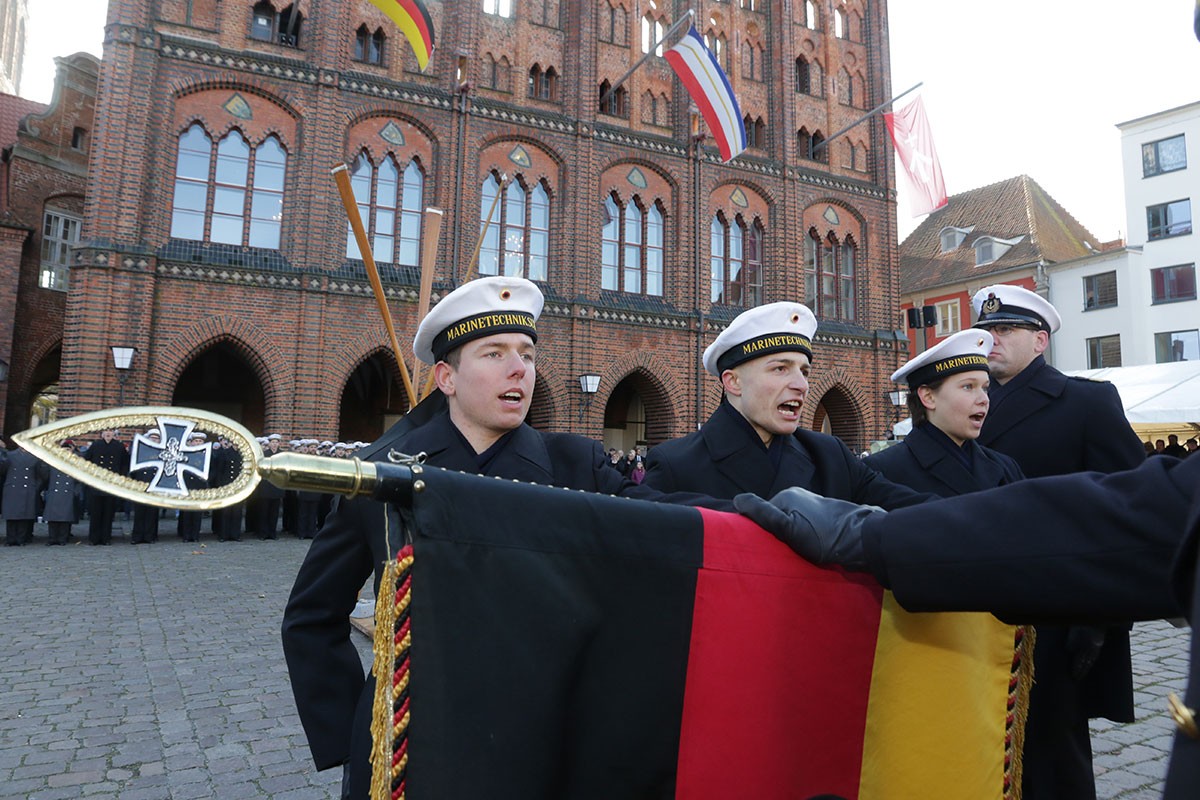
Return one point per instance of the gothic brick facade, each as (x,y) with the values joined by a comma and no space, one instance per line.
(44,180)
(231,275)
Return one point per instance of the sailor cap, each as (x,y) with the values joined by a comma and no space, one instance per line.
(961,352)
(1005,304)
(483,307)
(761,331)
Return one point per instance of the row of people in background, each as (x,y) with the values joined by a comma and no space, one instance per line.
(33,490)
(1172,447)
(632,464)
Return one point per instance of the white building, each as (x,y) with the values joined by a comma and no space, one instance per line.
(1139,305)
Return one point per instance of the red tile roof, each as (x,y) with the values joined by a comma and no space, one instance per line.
(12,110)
(1017,207)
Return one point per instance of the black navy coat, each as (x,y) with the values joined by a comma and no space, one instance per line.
(111,456)
(1126,547)
(723,459)
(327,677)
(922,463)
(1058,425)
(23,482)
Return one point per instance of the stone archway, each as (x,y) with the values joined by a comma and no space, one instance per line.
(638,412)
(220,379)
(43,388)
(837,415)
(373,398)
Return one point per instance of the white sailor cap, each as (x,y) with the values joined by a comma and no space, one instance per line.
(201,435)
(964,351)
(483,307)
(761,331)
(274,436)
(1005,304)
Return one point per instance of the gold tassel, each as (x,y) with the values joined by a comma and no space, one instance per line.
(1018,698)
(389,710)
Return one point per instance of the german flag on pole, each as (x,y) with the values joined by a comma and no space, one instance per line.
(572,646)
(411,17)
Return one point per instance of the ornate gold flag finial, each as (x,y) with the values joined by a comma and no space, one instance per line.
(185,441)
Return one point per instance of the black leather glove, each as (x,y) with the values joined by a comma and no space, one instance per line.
(822,530)
(1083,647)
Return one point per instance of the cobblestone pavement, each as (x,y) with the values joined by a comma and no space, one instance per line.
(153,672)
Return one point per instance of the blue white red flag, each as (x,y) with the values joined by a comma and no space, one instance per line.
(709,88)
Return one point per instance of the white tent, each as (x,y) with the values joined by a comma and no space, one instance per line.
(1155,394)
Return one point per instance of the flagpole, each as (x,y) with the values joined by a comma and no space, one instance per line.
(864,117)
(671,30)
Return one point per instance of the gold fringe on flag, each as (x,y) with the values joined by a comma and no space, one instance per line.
(389,712)
(1018,709)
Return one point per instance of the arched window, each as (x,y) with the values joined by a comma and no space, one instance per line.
(615,103)
(631,258)
(811,20)
(830,275)
(497,74)
(280,27)
(522,222)
(652,33)
(368,47)
(841,27)
(498,8)
(716,43)
(390,207)
(228,205)
(845,87)
(820,154)
(543,85)
(803,76)
(756,131)
(735,261)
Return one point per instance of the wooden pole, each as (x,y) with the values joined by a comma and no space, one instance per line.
(432,229)
(341,177)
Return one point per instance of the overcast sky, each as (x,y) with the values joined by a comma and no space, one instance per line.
(1024,86)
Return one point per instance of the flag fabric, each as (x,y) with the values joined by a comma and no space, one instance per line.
(412,18)
(709,88)
(572,645)
(913,140)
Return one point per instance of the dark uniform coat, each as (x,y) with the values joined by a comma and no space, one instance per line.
(111,456)
(61,498)
(23,483)
(922,463)
(332,697)
(1056,425)
(725,458)
(1126,547)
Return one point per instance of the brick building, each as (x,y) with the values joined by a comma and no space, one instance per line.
(43,180)
(214,241)
(1011,231)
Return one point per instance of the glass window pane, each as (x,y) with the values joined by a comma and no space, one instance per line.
(264,233)
(233,159)
(229,201)
(266,205)
(384,249)
(226,230)
(190,196)
(187,225)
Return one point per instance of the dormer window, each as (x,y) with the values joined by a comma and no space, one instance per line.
(952,237)
(990,248)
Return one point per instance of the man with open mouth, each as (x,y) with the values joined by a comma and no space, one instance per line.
(481,340)
(753,442)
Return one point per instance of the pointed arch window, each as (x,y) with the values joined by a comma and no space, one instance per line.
(519,235)
(238,200)
(498,8)
(652,33)
(736,261)
(389,204)
(368,47)
(543,85)
(632,247)
(830,275)
(811,20)
(613,21)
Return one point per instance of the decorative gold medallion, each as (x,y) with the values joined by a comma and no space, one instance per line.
(171,459)
(991,305)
